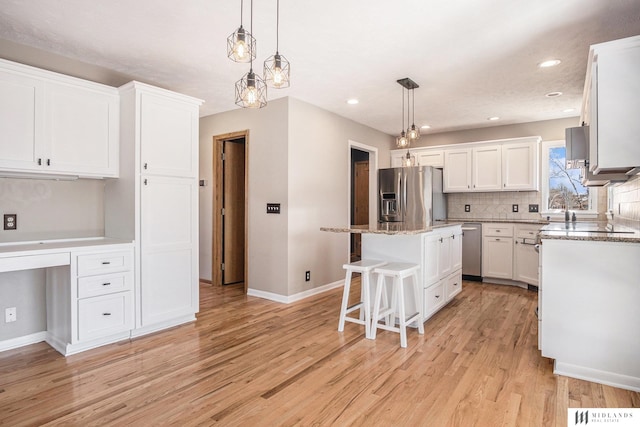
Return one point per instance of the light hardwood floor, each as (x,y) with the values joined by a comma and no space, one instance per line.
(252,362)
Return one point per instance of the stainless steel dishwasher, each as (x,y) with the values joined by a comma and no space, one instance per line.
(472,251)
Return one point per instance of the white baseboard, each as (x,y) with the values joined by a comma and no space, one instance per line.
(594,375)
(296,297)
(157,327)
(22,341)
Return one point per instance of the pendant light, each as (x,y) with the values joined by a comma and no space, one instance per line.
(402,141)
(414,133)
(409,160)
(251,91)
(276,67)
(241,46)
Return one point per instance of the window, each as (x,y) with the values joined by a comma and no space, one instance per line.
(561,187)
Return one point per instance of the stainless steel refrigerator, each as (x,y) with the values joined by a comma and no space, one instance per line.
(412,195)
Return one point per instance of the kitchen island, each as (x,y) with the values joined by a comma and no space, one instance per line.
(588,297)
(437,249)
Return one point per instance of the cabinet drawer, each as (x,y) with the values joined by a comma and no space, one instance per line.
(106,262)
(104,315)
(528,233)
(504,230)
(453,285)
(434,298)
(104,284)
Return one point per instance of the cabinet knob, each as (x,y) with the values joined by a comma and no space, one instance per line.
(437,296)
(39,162)
(106,284)
(441,240)
(145,181)
(145,166)
(48,162)
(106,314)
(106,262)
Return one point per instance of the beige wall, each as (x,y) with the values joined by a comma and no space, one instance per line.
(549,130)
(298,156)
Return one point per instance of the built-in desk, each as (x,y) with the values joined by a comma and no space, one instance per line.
(89,288)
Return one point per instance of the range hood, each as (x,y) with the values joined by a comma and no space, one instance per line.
(577,145)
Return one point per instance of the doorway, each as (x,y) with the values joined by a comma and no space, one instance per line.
(229,263)
(359,198)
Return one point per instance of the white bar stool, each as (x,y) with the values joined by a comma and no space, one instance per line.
(364,267)
(398,271)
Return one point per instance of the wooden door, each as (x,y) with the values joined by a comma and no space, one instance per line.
(360,202)
(233,218)
(229,260)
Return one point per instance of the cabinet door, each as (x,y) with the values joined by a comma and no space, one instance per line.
(497,257)
(82,130)
(445,266)
(396,160)
(433,158)
(456,251)
(520,166)
(525,263)
(169,136)
(457,171)
(431,259)
(169,249)
(20,121)
(487,168)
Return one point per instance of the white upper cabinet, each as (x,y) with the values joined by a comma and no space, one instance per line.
(505,165)
(457,170)
(81,130)
(55,124)
(487,168)
(611,102)
(21,102)
(168,131)
(520,166)
(433,158)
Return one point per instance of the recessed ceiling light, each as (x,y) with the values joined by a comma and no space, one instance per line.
(425,127)
(568,110)
(553,94)
(549,63)
(352,101)
(494,118)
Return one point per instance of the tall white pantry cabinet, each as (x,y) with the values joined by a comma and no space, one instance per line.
(155,202)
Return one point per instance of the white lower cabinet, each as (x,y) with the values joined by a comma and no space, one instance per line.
(90,303)
(453,285)
(434,298)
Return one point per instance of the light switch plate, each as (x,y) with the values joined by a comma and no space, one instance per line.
(514,208)
(467,208)
(273,208)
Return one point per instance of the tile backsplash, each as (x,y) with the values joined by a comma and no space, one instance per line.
(625,205)
(498,205)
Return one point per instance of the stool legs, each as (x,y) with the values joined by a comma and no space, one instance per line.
(345,301)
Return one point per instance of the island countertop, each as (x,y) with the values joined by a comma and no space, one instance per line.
(391,228)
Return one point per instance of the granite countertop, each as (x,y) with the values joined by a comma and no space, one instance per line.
(391,228)
(590,231)
(514,221)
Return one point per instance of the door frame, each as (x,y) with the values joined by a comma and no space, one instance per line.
(373,184)
(216,238)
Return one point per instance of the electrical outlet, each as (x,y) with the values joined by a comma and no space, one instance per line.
(467,208)
(307,276)
(10,221)
(514,208)
(10,315)
(533,208)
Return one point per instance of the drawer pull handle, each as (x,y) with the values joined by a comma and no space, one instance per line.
(106,284)
(455,284)
(106,262)
(497,231)
(106,314)
(437,296)
(441,240)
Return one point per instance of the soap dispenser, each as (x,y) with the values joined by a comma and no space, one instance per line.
(566,216)
(573,217)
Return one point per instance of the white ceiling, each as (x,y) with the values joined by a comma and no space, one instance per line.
(472,58)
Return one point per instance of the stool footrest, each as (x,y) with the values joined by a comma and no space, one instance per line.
(353,307)
(354,320)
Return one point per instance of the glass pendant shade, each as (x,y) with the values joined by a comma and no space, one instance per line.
(277,71)
(241,46)
(251,91)
(402,141)
(409,160)
(414,133)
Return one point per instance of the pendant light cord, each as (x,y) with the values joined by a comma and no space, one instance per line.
(251,56)
(413,119)
(402,127)
(277,25)
(241,2)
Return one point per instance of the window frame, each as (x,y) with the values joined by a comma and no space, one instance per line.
(591,213)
